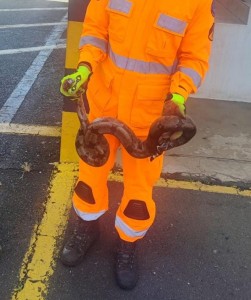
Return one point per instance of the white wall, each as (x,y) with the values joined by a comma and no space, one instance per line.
(229,76)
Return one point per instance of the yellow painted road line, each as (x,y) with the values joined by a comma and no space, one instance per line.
(193,185)
(53,131)
(38,264)
(70,128)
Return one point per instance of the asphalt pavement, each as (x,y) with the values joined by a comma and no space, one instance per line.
(199,246)
(27,158)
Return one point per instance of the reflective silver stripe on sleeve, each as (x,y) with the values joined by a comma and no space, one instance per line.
(94,41)
(192,74)
(128,230)
(89,216)
(120,6)
(139,66)
(172,24)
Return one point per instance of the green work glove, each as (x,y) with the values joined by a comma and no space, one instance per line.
(75,83)
(174,106)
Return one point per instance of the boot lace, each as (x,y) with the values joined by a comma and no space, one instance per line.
(80,236)
(126,256)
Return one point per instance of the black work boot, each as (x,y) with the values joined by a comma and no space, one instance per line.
(82,238)
(126,270)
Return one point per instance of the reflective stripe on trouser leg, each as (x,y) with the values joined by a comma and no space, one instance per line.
(139,177)
(90,198)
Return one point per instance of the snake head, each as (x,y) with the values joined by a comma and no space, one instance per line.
(168,132)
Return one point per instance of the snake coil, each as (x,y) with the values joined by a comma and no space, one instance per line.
(165,133)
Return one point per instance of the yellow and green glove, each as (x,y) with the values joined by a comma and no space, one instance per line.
(76,82)
(174,106)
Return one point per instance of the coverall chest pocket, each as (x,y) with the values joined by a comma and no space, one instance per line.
(119,13)
(148,105)
(165,36)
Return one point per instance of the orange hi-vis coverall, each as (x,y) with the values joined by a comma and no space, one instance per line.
(139,51)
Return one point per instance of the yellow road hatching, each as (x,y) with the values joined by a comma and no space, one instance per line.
(40,260)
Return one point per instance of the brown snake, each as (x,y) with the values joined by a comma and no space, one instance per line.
(93,148)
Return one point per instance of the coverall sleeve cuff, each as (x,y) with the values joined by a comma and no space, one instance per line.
(183,91)
(87,57)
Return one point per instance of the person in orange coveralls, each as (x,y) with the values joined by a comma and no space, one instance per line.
(145,58)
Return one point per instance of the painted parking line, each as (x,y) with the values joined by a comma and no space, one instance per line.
(191,185)
(32,9)
(40,260)
(52,131)
(16,98)
(32,49)
(30,25)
